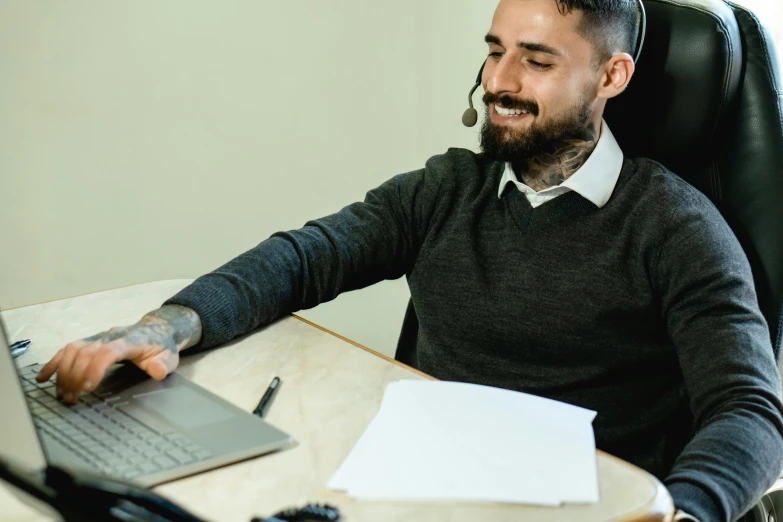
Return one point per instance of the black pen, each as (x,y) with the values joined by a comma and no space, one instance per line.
(20,344)
(19,347)
(266,400)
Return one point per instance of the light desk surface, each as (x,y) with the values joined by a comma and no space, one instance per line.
(331,390)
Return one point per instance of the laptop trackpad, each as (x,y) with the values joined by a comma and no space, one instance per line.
(183,407)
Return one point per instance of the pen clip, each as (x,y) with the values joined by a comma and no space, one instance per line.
(20,350)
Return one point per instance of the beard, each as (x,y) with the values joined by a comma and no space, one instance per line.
(501,143)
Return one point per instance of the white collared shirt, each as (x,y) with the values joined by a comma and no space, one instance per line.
(594,181)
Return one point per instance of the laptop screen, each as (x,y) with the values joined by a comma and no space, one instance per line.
(19,441)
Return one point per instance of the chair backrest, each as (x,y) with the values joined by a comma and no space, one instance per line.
(707,102)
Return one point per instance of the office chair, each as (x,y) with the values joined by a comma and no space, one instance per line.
(707,102)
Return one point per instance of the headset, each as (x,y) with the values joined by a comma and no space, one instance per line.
(470,116)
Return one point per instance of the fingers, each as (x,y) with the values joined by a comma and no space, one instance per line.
(80,366)
(48,370)
(105,356)
(64,372)
(73,381)
(160,365)
(90,367)
(87,368)
(61,360)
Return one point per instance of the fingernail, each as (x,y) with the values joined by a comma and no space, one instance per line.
(68,397)
(87,386)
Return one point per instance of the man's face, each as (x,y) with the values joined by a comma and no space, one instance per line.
(540,81)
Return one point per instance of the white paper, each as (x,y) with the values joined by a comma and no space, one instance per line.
(464,442)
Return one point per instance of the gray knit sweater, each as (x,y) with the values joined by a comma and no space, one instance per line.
(643,310)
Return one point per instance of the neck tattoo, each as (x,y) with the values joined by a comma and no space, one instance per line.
(550,170)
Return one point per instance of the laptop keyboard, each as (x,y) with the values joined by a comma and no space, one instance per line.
(110,440)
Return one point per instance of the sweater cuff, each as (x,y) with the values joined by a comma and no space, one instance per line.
(694,501)
(210,305)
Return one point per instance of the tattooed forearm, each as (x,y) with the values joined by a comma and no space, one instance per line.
(184,322)
(141,335)
(550,170)
(172,327)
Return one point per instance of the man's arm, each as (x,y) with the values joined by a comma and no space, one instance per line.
(362,244)
(709,303)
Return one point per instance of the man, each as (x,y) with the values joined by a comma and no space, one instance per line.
(548,264)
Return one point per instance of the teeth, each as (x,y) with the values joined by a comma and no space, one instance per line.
(509,112)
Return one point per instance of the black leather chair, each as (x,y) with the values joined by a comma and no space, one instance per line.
(707,102)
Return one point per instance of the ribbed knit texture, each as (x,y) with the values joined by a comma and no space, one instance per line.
(643,310)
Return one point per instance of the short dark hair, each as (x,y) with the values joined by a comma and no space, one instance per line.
(611,25)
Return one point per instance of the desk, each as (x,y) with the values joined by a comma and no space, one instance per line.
(331,390)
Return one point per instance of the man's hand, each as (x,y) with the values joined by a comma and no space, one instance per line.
(153,344)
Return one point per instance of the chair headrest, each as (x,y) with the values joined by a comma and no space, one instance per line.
(686,80)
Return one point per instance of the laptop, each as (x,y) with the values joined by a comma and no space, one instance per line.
(130,427)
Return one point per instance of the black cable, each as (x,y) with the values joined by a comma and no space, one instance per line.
(308,513)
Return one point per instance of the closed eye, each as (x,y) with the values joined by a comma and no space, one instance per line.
(539,65)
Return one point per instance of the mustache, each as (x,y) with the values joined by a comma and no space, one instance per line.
(510,103)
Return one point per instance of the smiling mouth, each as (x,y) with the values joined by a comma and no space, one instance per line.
(508,113)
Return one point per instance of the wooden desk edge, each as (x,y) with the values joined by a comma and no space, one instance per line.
(659,509)
(378,354)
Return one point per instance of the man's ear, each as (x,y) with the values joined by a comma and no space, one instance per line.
(616,73)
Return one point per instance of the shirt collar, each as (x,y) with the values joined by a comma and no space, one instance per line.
(596,179)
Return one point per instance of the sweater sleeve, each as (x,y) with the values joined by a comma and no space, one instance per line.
(364,243)
(709,305)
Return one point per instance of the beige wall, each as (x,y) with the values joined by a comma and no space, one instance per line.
(149,140)
(156,139)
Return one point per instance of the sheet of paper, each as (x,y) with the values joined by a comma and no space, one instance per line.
(463,442)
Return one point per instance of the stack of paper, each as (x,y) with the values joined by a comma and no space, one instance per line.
(463,442)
